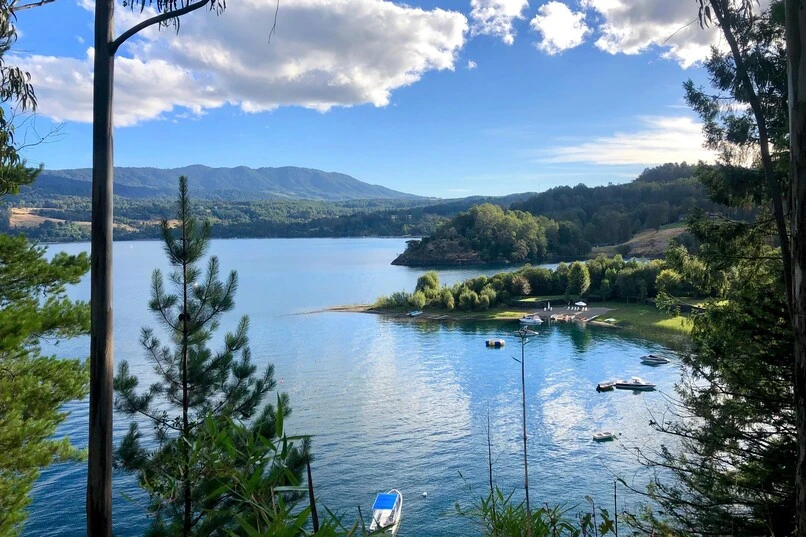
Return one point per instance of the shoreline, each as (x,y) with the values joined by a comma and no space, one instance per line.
(639,320)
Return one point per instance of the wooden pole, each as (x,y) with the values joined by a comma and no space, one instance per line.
(99,460)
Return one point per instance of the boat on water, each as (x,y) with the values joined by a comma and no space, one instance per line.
(387,512)
(635,383)
(495,343)
(604,436)
(531,319)
(606,386)
(654,359)
(414,313)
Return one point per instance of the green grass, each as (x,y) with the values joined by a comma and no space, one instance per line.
(550,298)
(644,316)
(674,225)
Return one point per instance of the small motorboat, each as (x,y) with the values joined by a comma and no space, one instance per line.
(604,436)
(635,383)
(414,313)
(495,343)
(531,319)
(654,359)
(606,386)
(387,512)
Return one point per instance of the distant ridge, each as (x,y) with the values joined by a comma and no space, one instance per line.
(231,184)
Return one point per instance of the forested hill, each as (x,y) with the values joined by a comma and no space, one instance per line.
(612,214)
(233,184)
(566,222)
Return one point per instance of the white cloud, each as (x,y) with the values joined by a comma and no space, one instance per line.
(495,17)
(325,53)
(633,26)
(560,28)
(471,65)
(662,139)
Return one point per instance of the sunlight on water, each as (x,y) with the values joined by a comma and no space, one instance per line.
(390,402)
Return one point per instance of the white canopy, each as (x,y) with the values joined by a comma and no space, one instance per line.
(580,303)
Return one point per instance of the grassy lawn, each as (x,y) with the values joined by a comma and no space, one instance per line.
(674,225)
(644,316)
(550,298)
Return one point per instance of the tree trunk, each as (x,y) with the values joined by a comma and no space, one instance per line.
(186,525)
(796,69)
(99,476)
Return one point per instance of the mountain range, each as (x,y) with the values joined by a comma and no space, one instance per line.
(233,184)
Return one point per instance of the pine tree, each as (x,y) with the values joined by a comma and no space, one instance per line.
(33,388)
(195,384)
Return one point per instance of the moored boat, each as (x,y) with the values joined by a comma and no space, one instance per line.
(606,386)
(654,359)
(635,383)
(531,319)
(604,436)
(414,313)
(387,512)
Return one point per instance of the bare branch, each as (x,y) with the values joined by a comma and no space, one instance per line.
(15,9)
(162,17)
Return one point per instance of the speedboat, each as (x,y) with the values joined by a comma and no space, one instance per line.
(387,512)
(604,436)
(606,386)
(531,319)
(654,359)
(635,383)
(414,313)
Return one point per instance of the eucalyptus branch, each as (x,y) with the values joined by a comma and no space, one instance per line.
(162,17)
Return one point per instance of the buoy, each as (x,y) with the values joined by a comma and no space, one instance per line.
(425,494)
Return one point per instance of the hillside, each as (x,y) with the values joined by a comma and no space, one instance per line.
(232,184)
(577,218)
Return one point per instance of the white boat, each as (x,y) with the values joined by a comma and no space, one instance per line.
(414,313)
(387,512)
(606,386)
(495,343)
(531,319)
(654,359)
(604,436)
(635,383)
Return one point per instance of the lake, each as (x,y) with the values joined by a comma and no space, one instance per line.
(390,402)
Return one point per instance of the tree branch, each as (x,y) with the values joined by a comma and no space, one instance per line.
(15,9)
(162,17)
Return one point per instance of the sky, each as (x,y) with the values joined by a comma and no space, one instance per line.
(444,98)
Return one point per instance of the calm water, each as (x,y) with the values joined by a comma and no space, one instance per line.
(392,403)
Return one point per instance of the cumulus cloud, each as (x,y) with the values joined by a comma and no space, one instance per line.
(325,53)
(560,28)
(496,17)
(634,26)
(471,65)
(661,139)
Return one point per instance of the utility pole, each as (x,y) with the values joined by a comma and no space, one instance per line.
(524,334)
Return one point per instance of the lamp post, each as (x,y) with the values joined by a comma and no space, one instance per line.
(524,334)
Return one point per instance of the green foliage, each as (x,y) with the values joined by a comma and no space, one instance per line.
(16,96)
(489,234)
(519,285)
(33,388)
(612,214)
(195,384)
(738,453)
(579,280)
(418,300)
(499,515)
(428,282)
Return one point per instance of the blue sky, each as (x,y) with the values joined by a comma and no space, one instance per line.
(434,98)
